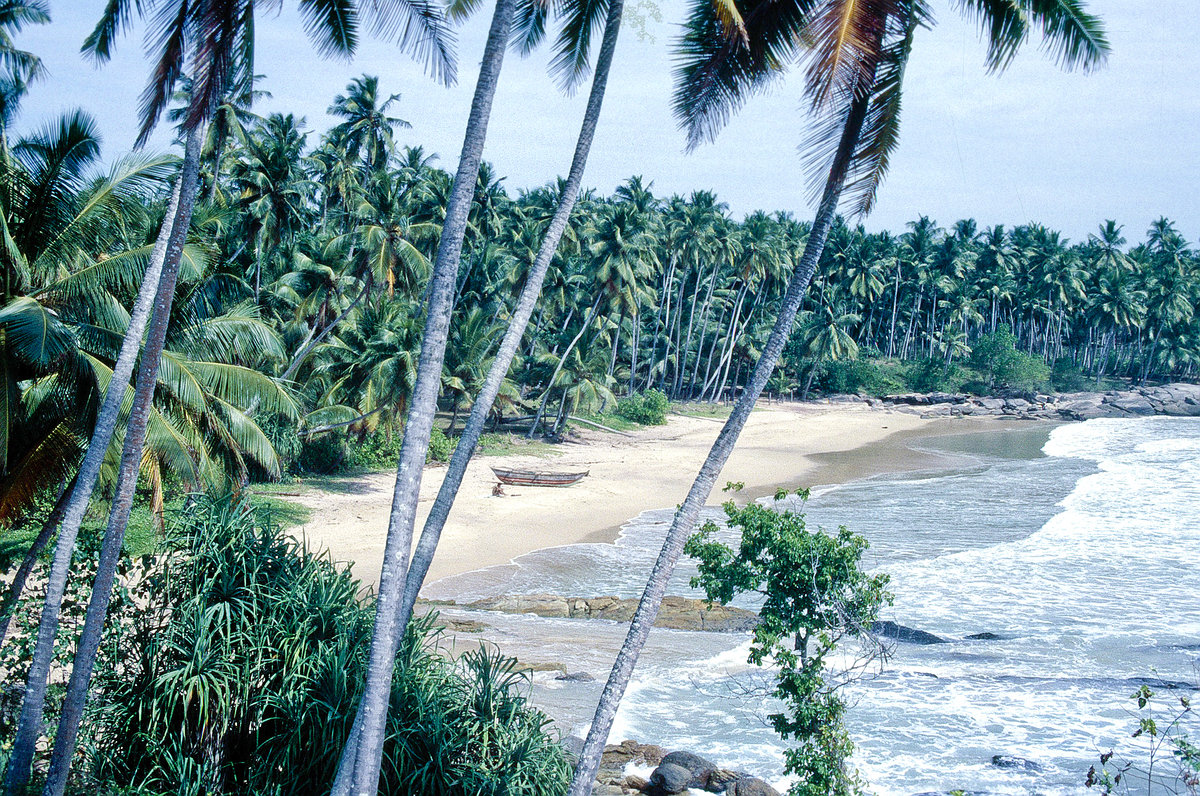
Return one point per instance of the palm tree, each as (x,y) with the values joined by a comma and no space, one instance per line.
(367,130)
(358,770)
(222,38)
(854,79)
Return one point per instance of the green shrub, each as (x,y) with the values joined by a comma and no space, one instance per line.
(1066,376)
(996,355)
(648,408)
(377,450)
(852,376)
(931,375)
(441,448)
(323,453)
(234,667)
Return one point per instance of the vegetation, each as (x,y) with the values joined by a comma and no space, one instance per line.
(1168,757)
(814,596)
(234,653)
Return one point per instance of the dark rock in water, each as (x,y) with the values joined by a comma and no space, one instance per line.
(699,767)
(908,635)
(576,677)
(670,778)
(1013,762)
(751,786)
(1170,685)
(1186,647)
(984,637)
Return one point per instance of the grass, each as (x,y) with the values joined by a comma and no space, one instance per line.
(610,420)
(513,445)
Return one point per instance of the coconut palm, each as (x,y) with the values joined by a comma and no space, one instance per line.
(221,36)
(367,131)
(856,57)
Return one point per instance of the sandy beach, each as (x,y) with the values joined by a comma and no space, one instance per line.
(786,445)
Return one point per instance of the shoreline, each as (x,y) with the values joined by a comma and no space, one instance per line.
(782,446)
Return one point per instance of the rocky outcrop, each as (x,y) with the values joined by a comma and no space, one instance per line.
(1177,400)
(677,613)
(908,635)
(1013,762)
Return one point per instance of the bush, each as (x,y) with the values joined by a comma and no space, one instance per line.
(648,408)
(931,375)
(441,448)
(235,668)
(323,453)
(996,355)
(377,450)
(852,376)
(1067,377)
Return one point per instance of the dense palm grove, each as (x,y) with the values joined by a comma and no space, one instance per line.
(300,306)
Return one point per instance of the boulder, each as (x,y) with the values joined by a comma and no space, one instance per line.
(670,778)
(616,757)
(635,783)
(908,635)
(1132,404)
(985,636)
(751,786)
(608,790)
(677,613)
(576,677)
(549,605)
(990,404)
(722,778)
(1013,762)
(698,767)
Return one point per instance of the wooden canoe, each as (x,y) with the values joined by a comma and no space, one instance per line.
(536,478)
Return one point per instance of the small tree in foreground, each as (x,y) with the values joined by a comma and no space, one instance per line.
(815,594)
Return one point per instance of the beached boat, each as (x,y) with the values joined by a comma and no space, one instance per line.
(537,478)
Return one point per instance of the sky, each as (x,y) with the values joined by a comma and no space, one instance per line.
(1067,150)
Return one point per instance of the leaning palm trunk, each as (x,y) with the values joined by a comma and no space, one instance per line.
(166,250)
(685,517)
(541,411)
(118,516)
(12,597)
(364,748)
(427,545)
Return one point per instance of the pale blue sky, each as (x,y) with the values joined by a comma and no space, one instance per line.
(1067,150)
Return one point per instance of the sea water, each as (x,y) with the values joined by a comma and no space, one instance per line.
(1078,548)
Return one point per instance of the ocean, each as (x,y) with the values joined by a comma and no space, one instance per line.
(1077,547)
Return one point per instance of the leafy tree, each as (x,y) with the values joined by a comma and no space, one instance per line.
(814,595)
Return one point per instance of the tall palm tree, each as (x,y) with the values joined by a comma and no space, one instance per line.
(221,37)
(358,769)
(856,59)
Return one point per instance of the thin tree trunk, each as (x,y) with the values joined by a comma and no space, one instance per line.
(537,418)
(315,341)
(364,753)
(118,516)
(685,517)
(12,597)
(167,252)
(467,442)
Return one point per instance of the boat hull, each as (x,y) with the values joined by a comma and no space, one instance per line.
(536,478)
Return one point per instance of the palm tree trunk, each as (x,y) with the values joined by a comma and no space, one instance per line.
(314,341)
(537,418)
(685,517)
(12,597)
(467,442)
(118,516)
(364,753)
(168,249)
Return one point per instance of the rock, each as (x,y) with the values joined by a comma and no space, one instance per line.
(751,786)
(462,625)
(576,677)
(616,757)
(549,605)
(677,613)
(1013,762)
(670,778)
(634,782)
(608,790)
(698,767)
(984,637)
(991,404)
(1132,404)
(908,635)
(721,778)
(1170,685)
